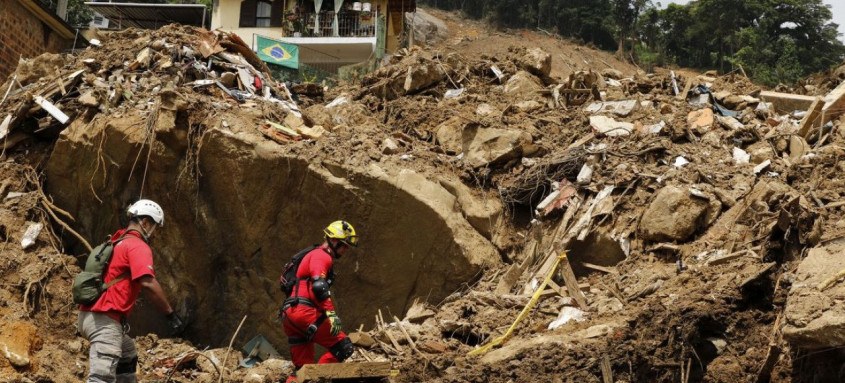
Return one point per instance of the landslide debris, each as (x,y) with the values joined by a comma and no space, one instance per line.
(702,225)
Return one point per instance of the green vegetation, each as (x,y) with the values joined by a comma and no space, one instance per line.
(775,41)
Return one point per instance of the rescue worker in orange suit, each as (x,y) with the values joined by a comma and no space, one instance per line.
(308,315)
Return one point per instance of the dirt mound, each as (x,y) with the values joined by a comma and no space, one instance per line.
(685,202)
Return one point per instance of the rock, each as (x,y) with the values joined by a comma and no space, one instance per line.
(17,340)
(619,108)
(673,215)
(88,99)
(536,61)
(362,339)
(815,317)
(31,234)
(422,76)
(433,347)
(228,79)
(482,213)
(427,29)
(730,123)
(485,110)
(760,152)
(612,73)
(609,127)
(523,85)
(418,313)
(700,121)
(389,146)
(797,148)
(315,132)
(524,107)
(449,134)
(666,109)
(486,146)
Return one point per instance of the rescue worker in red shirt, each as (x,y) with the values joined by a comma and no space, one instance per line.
(112,356)
(308,315)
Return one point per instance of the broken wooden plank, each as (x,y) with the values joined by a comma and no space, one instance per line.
(515,271)
(572,283)
(834,104)
(773,353)
(328,371)
(604,269)
(812,118)
(687,87)
(606,371)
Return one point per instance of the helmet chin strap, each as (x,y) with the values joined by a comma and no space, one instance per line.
(333,248)
(146,233)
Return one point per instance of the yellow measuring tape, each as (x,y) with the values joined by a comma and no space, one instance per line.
(534,299)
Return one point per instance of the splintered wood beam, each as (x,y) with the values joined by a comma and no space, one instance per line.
(330,371)
(572,284)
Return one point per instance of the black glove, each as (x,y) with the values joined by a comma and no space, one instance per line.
(176,324)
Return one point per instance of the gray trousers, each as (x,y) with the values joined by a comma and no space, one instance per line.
(112,357)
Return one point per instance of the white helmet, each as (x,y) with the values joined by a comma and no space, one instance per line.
(145,207)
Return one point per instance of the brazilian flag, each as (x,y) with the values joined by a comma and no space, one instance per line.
(277,52)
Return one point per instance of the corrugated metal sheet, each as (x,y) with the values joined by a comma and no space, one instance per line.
(150,16)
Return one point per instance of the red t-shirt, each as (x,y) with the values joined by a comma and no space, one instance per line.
(131,256)
(317,263)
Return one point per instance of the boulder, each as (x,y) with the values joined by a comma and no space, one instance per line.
(449,134)
(486,146)
(17,341)
(536,61)
(700,121)
(815,312)
(426,28)
(760,152)
(612,73)
(423,76)
(523,85)
(482,213)
(524,107)
(673,215)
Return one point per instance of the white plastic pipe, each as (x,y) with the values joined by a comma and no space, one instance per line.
(52,109)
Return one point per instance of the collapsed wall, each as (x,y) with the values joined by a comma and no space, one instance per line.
(238,206)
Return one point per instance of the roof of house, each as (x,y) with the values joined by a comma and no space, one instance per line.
(150,16)
(50,18)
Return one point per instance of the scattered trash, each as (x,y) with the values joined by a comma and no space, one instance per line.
(585,174)
(453,93)
(566,315)
(740,156)
(609,127)
(762,166)
(680,162)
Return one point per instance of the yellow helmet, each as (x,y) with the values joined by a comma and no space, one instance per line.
(342,231)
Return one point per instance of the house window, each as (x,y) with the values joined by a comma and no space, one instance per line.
(261,13)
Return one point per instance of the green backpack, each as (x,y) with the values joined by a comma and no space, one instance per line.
(88,285)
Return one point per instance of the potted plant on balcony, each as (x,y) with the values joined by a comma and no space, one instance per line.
(290,15)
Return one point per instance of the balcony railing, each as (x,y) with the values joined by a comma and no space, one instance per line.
(349,24)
